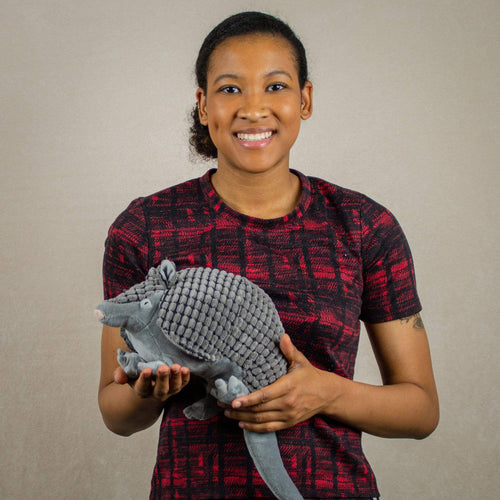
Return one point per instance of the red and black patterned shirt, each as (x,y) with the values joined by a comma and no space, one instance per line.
(338,258)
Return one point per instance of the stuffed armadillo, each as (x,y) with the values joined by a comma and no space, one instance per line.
(221,326)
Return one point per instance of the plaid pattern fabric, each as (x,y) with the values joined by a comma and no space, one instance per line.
(337,258)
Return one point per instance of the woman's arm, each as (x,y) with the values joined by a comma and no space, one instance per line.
(130,406)
(406,405)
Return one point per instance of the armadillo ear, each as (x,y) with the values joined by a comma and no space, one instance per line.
(168,272)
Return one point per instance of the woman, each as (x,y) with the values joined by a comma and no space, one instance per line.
(329,257)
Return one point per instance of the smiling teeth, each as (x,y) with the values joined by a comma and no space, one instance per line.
(254,137)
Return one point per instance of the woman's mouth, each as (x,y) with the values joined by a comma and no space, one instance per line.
(254,139)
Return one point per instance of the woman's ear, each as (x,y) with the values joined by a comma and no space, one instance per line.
(201,99)
(306,104)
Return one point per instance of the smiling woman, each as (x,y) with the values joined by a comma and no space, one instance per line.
(253,105)
(329,258)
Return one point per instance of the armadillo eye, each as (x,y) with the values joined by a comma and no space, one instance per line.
(146,304)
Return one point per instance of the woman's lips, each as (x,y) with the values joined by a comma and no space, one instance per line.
(254,140)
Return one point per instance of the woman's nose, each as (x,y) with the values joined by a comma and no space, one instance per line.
(253,108)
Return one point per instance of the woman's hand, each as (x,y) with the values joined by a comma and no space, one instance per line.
(405,406)
(293,398)
(129,406)
(168,381)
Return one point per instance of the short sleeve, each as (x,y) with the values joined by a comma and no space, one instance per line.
(126,254)
(389,285)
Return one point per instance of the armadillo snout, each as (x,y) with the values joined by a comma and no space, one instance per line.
(99,314)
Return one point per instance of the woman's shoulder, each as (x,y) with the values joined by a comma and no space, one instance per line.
(343,198)
(177,192)
(181,194)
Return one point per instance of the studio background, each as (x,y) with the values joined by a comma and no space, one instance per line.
(95,98)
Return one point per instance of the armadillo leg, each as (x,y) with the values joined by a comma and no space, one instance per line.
(227,391)
(266,456)
(202,409)
(129,361)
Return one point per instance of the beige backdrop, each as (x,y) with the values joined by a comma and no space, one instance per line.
(94,104)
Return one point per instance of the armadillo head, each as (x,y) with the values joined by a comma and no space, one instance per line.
(132,316)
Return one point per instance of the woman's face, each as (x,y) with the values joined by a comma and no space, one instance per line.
(253,104)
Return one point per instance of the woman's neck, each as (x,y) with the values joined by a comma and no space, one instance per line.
(264,195)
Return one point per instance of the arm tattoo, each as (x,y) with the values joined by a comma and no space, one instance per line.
(418,324)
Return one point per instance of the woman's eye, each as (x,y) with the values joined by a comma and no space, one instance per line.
(229,90)
(276,86)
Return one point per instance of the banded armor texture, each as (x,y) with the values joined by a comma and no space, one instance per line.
(212,314)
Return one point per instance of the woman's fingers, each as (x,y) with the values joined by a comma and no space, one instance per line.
(167,381)
(143,386)
(170,381)
(119,375)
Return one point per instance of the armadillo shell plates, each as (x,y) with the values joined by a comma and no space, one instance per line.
(213,314)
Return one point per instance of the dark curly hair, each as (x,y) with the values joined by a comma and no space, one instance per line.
(244,23)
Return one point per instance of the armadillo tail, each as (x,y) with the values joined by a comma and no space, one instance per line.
(265,453)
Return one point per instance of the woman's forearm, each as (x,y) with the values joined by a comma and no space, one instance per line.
(405,406)
(402,410)
(124,412)
(126,409)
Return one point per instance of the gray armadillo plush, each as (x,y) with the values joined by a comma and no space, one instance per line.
(221,326)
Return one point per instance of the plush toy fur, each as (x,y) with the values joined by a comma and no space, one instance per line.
(221,326)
